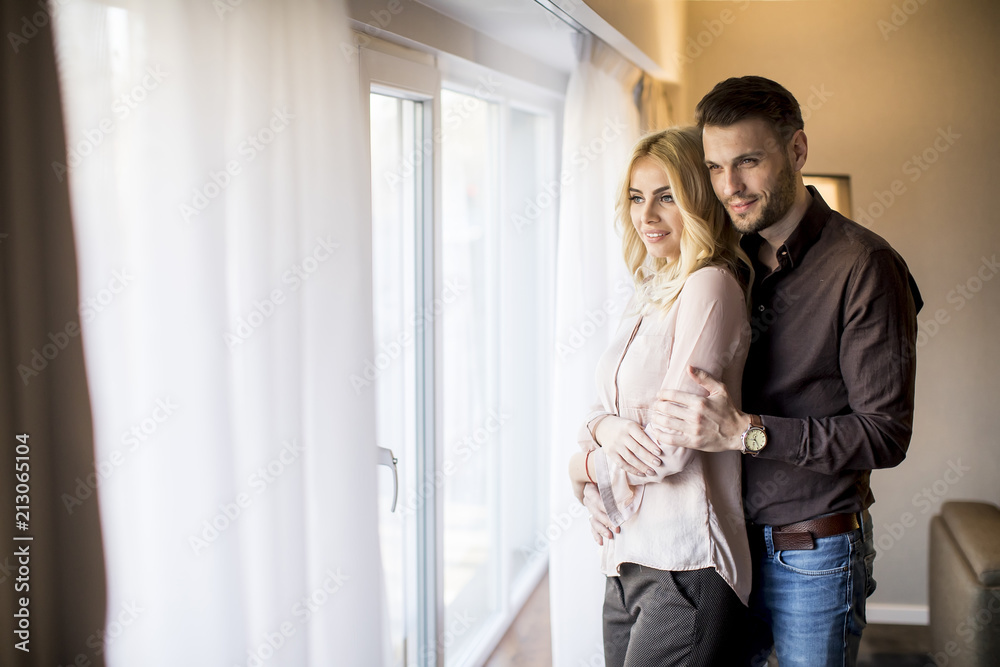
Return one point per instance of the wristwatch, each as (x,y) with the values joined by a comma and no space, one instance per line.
(755,437)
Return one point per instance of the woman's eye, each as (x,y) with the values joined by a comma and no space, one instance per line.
(636,199)
(666,199)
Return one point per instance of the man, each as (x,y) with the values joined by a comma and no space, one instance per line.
(827,388)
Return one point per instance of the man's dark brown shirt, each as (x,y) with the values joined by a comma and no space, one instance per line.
(830,370)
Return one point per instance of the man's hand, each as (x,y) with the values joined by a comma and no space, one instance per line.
(600,523)
(707,423)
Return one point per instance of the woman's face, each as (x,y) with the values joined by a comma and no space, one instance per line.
(655,216)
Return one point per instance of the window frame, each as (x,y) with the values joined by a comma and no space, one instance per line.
(389,74)
(388,68)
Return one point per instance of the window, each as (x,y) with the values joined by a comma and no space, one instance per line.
(463,247)
(397,126)
(470,195)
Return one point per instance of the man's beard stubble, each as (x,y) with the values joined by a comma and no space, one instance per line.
(778,204)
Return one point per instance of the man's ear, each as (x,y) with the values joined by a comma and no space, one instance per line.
(798,150)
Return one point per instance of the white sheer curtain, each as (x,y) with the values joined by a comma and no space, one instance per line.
(601,125)
(225,272)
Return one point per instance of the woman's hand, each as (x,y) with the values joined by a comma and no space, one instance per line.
(627,445)
(600,524)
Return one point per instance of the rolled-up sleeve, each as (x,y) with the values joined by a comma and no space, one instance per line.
(585,436)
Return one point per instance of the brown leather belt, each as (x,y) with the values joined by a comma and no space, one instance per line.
(800,535)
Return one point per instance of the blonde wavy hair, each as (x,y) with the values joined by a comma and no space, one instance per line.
(707,238)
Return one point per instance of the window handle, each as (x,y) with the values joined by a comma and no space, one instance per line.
(385,458)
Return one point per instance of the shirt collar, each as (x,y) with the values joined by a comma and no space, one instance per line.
(802,237)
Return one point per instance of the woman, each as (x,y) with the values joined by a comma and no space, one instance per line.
(679,570)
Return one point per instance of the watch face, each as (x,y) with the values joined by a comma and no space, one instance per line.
(756,439)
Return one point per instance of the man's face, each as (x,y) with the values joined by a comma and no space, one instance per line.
(751,173)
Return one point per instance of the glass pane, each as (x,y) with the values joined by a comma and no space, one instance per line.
(395,131)
(528,233)
(471,418)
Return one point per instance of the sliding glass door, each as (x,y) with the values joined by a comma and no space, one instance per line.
(470,217)
(463,210)
(404,311)
(396,128)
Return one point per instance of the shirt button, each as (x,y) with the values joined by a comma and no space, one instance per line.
(760,308)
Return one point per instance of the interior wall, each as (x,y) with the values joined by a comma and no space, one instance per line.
(901,95)
(655,27)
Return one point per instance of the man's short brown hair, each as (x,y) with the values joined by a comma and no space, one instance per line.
(740,98)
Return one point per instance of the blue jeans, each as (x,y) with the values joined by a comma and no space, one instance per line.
(810,604)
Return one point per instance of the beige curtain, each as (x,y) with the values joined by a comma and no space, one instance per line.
(600,126)
(43,392)
(653,99)
(609,104)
